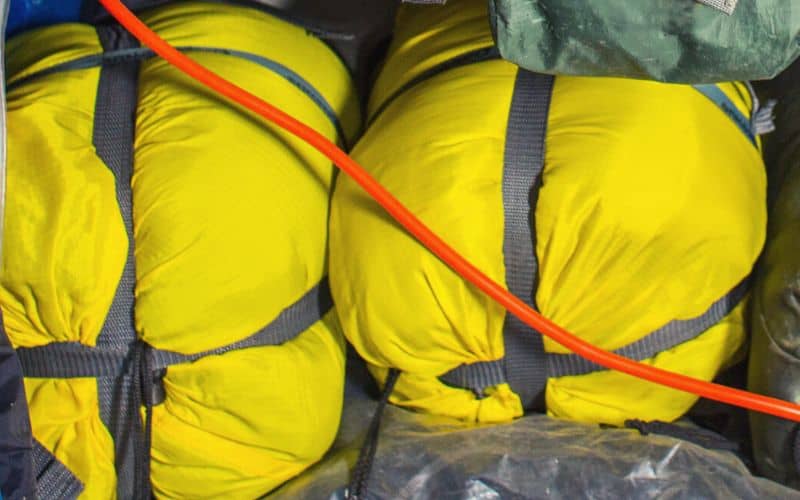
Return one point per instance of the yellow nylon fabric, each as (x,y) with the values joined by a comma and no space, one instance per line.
(280,181)
(652,207)
(254,417)
(65,420)
(230,224)
(58,194)
(52,170)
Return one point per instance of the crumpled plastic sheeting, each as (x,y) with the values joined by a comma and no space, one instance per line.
(424,456)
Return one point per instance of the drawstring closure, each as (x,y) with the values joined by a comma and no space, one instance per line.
(141,394)
(357,490)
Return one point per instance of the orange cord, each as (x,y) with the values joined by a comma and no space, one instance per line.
(436,245)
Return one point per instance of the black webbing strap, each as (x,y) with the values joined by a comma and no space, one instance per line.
(472,57)
(53,479)
(359,481)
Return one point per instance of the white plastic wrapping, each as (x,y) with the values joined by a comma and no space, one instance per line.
(426,457)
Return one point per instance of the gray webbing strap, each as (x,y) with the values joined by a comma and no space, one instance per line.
(475,56)
(73,360)
(113,136)
(668,336)
(478,376)
(525,365)
(141,53)
(68,360)
(53,479)
(290,323)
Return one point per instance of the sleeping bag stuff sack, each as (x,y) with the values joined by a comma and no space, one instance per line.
(775,313)
(628,212)
(165,253)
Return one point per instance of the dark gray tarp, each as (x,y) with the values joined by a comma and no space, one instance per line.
(775,318)
(17,477)
(666,40)
(421,457)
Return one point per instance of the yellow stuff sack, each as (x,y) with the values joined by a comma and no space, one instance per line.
(637,235)
(232,351)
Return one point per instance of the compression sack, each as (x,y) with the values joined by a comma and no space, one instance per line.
(629,212)
(165,250)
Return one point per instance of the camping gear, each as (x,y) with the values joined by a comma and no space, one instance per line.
(761,122)
(303,134)
(775,313)
(666,40)
(129,185)
(635,253)
(426,456)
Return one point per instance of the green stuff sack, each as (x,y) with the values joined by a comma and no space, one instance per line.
(637,236)
(166,249)
(775,314)
(665,40)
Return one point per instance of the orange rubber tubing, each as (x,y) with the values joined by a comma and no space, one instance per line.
(736,397)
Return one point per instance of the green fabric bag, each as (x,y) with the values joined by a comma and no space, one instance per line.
(667,40)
